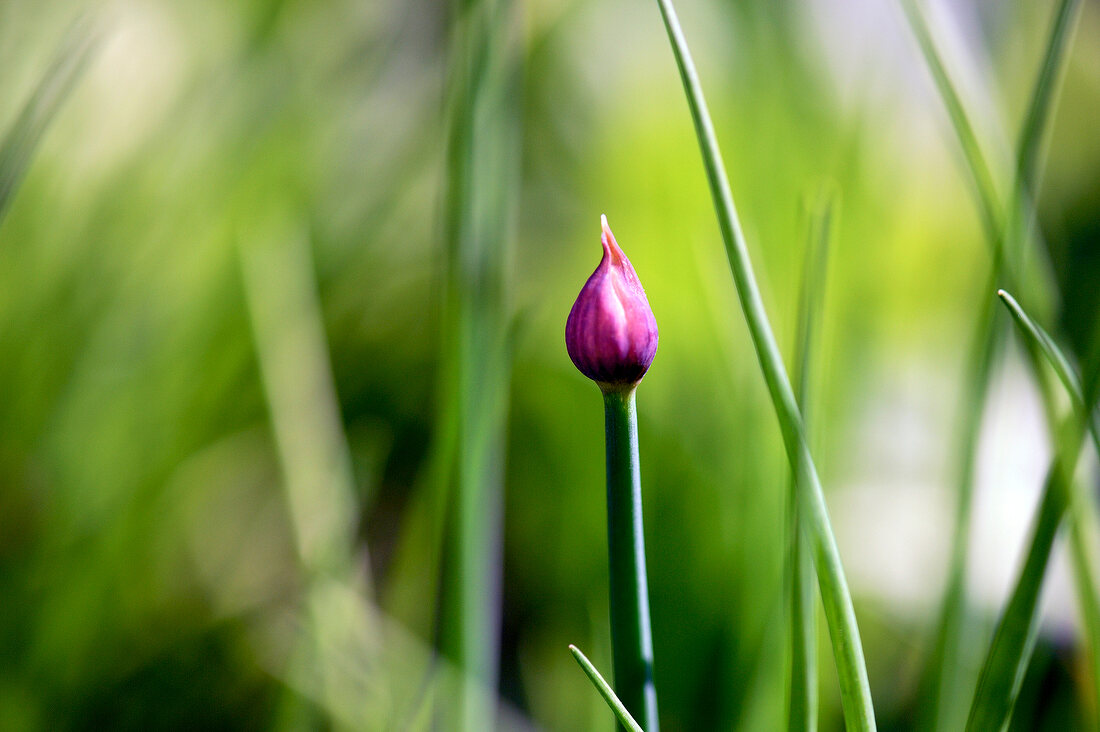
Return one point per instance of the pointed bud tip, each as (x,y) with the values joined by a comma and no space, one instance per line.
(611,247)
(611,334)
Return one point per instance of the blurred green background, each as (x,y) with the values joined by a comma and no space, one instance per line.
(221,324)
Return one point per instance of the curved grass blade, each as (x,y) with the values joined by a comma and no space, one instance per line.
(1002,673)
(945,663)
(1042,97)
(945,694)
(839,612)
(1083,536)
(606,691)
(17,149)
(1036,123)
(1047,347)
(976,163)
(803,615)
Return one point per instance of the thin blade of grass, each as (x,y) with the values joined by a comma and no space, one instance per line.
(69,61)
(803,615)
(481,170)
(1004,240)
(947,686)
(285,312)
(976,164)
(1083,530)
(1046,345)
(1002,673)
(1043,95)
(1035,125)
(839,611)
(1007,660)
(606,691)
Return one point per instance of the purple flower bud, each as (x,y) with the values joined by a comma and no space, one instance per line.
(611,333)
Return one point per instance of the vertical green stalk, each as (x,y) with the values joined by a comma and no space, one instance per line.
(1006,239)
(976,164)
(946,683)
(631,639)
(481,164)
(1038,111)
(840,614)
(1003,672)
(1082,509)
(803,613)
(1006,663)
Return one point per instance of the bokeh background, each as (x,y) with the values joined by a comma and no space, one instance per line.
(223,259)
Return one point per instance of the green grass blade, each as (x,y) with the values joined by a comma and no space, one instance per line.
(1043,95)
(803,615)
(1002,673)
(285,313)
(606,691)
(1083,531)
(1047,347)
(976,163)
(1054,355)
(839,611)
(1003,240)
(1032,131)
(481,166)
(811,296)
(945,695)
(58,81)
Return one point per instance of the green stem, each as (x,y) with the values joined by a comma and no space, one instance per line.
(947,684)
(1083,533)
(608,694)
(1038,112)
(976,165)
(481,168)
(631,641)
(1003,672)
(803,702)
(803,615)
(1007,240)
(840,614)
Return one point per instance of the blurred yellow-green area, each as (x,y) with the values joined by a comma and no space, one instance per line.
(222,268)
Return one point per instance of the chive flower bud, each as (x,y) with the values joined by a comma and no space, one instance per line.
(611,334)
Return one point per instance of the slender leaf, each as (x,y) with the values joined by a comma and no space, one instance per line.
(1005,665)
(481,165)
(976,163)
(1083,537)
(1043,95)
(839,612)
(606,691)
(803,615)
(1004,239)
(948,683)
(1002,673)
(18,146)
(1048,348)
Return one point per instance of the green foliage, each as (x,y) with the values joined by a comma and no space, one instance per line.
(855,692)
(224,319)
(606,691)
